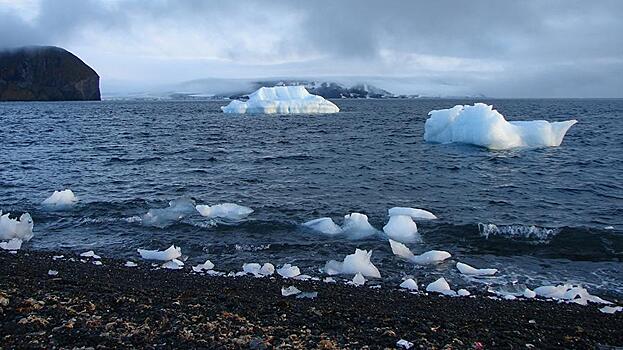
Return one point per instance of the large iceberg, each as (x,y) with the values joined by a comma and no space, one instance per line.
(282,100)
(482,125)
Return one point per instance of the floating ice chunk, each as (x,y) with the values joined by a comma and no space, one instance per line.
(52,272)
(429,257)
(173,264)
(288,271)
(282,100)
(162,217)
(402,228)
(358,262)
(302,277)
(252,268)
(328,280)
(12,244)
(56,257)
(414,213)
(409,284)
(469,270)
(403,344)
(16,228)
(307,295)
(358,279)
(527,293)
(227,211)
(207,265)
(267,269)
(90,254)
(481,125)
(611,309)
(323,225)
(61,199)
(292,290)
(440,286)
(130,264)
(97,262)
(356,226)
(170,253)
(609,228)
(553,292)
(463,293)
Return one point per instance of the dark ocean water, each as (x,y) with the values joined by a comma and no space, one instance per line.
(124,158)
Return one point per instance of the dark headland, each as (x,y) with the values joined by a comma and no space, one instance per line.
(112,306)
(46,73)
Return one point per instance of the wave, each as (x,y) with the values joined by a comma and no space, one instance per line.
(539,234)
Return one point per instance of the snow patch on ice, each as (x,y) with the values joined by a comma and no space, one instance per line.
(282,100)
(481,125)
(358,262)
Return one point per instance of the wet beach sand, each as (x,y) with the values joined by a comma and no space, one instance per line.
(113,306)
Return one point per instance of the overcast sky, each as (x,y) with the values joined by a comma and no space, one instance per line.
(498,48)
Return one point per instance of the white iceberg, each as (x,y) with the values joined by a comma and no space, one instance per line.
(440,286)
(282,100)
(358,262)
(323,225)
(481,125)
(267,269)
(13,244)
(228,211)
(177,210)
(469,270)
(16,228)
(170,253)
(429,257)
(61,199)
(289,271)
(409,284)
(356,226)
(402,228)
(414,213)
(207,266)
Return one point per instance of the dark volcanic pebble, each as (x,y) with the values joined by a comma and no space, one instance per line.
(111,306)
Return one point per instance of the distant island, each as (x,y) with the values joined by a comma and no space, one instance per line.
(46,73)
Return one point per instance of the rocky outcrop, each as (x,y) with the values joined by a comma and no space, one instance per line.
(46,73)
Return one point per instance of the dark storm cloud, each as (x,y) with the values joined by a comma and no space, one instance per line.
(514,48)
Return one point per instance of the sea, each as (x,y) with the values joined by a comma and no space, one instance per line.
(539,216)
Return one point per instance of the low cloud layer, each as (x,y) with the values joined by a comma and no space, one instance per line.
(516,49)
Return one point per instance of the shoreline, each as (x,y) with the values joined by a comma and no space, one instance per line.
(113,306)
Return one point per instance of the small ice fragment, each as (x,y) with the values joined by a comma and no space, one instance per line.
(307,295)
(404,344)
(553,292)
(292,290)
(429,257)
(409,284)
(414,213)
(56,257)
(173,264)
(170,253)
(463,292)
(267,269)
(97,262)
(402,228)
(611,309)
(228,211)
(207,265)
(529,293)
(328,280)
(509,297)
(16,228)
(13,244)
(356,226)
(609,228)
(52,272)
(130,264)
(252,268)
(61,199)
(376,286)
(358,280)
(176,211)
(323,225)
(358,262)
(469,270)
(440,286)
(302,277)
(289,271)
(90,254)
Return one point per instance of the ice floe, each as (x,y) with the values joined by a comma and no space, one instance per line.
(323,225)
(482,125)
(292,290)
(13,244)
(414,213)
(356,226)
(469,270)
(358,262)
(227,211)
(570,293)
(206,266)
(440,286)
(170,253)
(90,254)
(402,228)
(429,257)
(282,100)
(409,284)
(162,217)
(61,199)
(611,309)
(16,228)
(288,271)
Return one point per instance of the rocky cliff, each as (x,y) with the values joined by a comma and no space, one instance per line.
(46,73)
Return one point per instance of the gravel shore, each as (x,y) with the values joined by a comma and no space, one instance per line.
(112,306)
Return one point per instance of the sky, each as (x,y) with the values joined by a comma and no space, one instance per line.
(528,48)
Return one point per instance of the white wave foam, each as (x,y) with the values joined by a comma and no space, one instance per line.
(517,231)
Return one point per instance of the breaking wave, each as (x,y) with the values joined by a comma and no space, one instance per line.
(535,233)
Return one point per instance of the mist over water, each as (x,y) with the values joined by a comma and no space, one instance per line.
(539,216)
